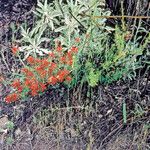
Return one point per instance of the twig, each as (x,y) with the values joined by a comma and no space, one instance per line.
(77,20)
(114,17)
(3,59)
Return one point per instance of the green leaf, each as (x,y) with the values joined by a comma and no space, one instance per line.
(60,28)
(39,11)
(10,125)
(124,113)
(40,4)
(45,5)
(93,77)
(25,92)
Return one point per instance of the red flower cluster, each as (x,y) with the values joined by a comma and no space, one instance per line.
(51,68)
(34,86)
(68,57)
(43,72)
(31,60)
(12,98)
(27,72)
(42,86)
(59,48)
(52,80)
(52,55)
(62,74)
(17,85)
(74,49)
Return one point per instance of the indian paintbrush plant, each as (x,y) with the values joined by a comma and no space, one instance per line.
(39,73)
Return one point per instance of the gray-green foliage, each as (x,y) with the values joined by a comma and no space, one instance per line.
(67,18)
(31,42)
(47,14)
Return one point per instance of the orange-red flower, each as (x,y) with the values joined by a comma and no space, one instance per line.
(20,89)
(31,60)
(34,93)
(37,60)
(45,63)
(24,70)
(16,84)
(27,72)
(42,87)
(59,48)
(68,79)
(11,98)
(42,73)
(63,59)
(52,80)
(42,65)
(77,39)
(74,49)
(28,82)
(62,74)
(69,54)
(15,49)
(70,62)
(34,87)
(51,54)
(52,67)
(69,58)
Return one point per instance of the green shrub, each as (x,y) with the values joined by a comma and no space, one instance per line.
(104,54)
(107,60)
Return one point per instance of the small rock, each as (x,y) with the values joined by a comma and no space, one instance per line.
(3,121)
(109,111)
(18,132)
